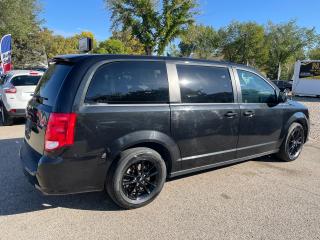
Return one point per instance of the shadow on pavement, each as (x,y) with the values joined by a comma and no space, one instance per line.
(18,196)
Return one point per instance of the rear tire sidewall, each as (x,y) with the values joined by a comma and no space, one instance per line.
(114,185)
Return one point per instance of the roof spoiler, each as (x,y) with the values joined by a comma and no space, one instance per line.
(70,58)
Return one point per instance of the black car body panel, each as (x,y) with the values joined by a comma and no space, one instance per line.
(189,136)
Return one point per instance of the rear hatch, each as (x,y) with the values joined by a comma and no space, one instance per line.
(42,103)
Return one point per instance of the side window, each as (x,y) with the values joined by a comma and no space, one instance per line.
(129,82)
(205,84)
(255,89)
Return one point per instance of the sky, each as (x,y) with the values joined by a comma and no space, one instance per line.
(68,17)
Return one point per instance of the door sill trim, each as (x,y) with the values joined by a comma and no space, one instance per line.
(219,164)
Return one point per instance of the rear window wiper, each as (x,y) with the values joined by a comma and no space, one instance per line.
(38,97)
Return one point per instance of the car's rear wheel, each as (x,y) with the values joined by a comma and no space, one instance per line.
(136,178)
(292,145)
(5,118)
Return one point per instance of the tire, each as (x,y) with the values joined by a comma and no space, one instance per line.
(293,143)
(5,118)
(137,178)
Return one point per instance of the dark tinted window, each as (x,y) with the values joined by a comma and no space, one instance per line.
(205,84)
(310,70)
(129,82)
(255,89)
(50,83)
(25,80)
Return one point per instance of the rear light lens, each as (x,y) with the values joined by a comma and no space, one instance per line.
(60,130)
(34,73)
(11,89)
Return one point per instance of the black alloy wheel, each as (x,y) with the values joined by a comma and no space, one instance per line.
(136,178)
(140,179)
(295,142)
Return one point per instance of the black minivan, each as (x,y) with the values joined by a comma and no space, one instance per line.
(125,124)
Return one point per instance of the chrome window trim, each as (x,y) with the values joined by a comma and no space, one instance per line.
(126,105)
(204,104)
(173,79)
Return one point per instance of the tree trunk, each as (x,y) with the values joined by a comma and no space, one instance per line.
(279,71)
(148,50)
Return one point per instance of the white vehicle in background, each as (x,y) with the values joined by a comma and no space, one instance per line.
(16,91)
(306,78)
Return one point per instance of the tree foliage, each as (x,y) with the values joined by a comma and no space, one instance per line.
(20,19)
(199,41)
(285,42)
(58,45)
(131,43)
(314,54)
(244,43)
(111,46)
(154,23)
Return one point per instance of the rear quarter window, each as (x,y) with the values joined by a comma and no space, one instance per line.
(50,83)
(129,82)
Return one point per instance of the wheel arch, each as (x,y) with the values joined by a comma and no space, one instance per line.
(155,140)
(298,117)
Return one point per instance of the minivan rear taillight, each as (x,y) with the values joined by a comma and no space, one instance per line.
(60,130)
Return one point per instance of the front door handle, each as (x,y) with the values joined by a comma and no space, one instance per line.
(231,114)
(248,113)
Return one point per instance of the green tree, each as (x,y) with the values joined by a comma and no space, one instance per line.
(287,41)
(131,43)
(75,39)
(200,41)
(244,43)
(314,54)
(20,19)
(154,23)
(58,45)
(111,46)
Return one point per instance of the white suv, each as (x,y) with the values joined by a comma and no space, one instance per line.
(16,91)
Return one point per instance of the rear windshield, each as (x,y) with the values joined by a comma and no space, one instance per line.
(50,83)
(25,80)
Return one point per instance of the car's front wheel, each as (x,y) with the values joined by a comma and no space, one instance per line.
(292,145)
(136,178)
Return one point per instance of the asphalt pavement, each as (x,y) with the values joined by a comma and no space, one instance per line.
(259,199)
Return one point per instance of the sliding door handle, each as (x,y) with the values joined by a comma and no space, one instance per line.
(231,114)
(248,113)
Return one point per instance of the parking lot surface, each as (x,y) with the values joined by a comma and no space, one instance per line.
(258,199)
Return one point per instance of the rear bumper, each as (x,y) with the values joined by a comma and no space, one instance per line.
(17,113)
(59,177)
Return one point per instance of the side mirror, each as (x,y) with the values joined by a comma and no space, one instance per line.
(283,97)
